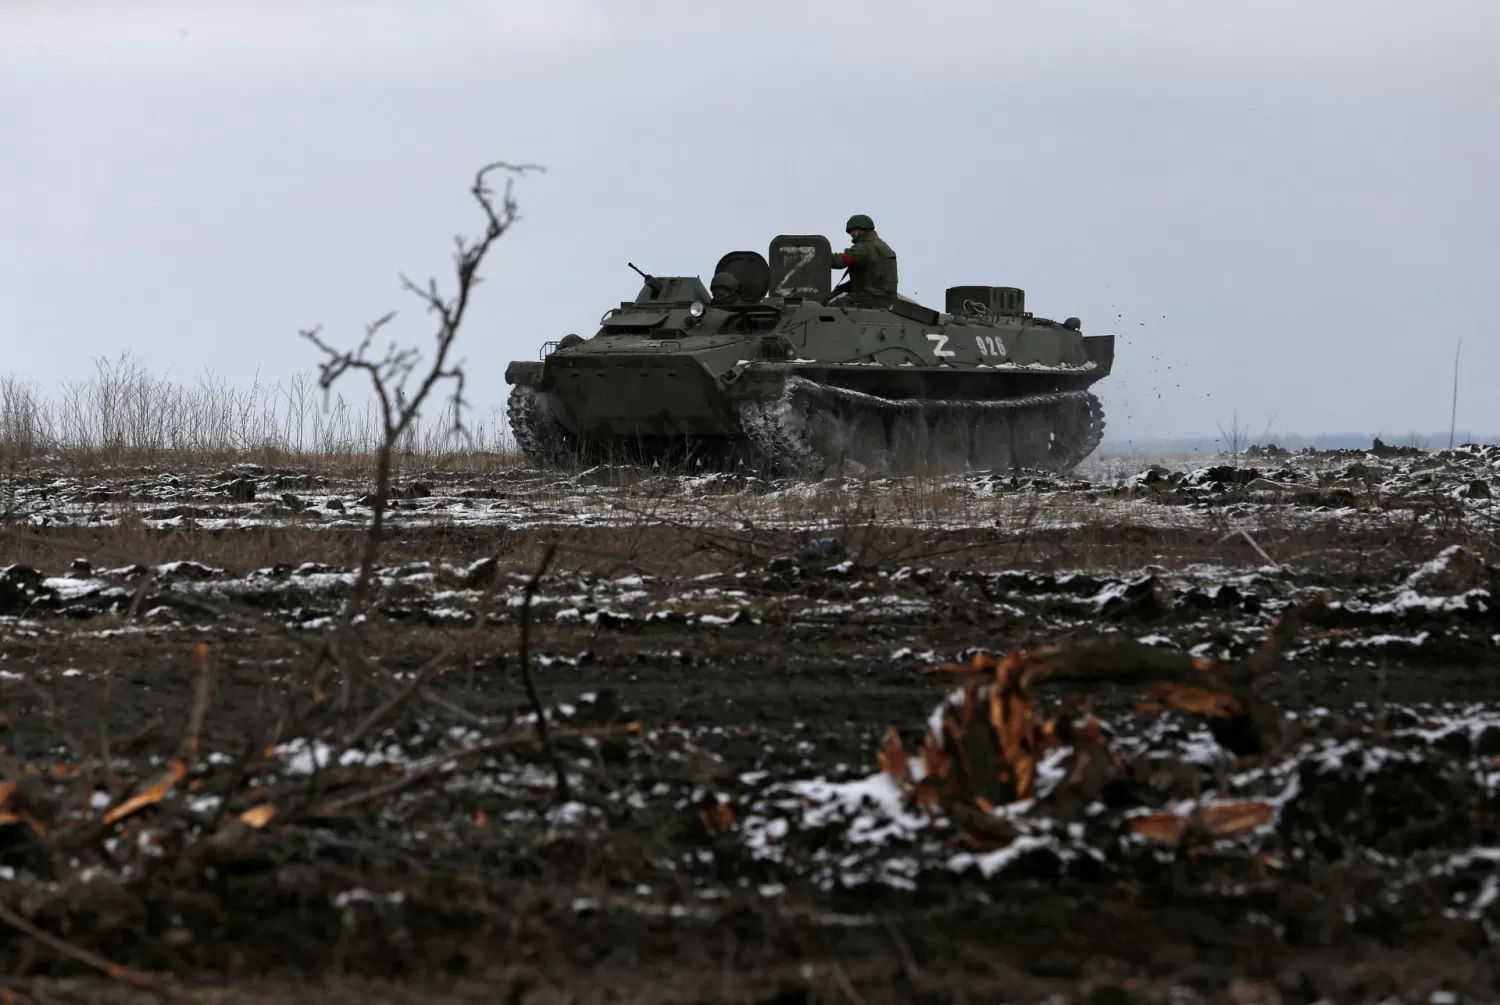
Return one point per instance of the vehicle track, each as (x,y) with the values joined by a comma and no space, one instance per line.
(812,429)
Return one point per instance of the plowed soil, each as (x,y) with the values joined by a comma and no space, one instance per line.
(719,662)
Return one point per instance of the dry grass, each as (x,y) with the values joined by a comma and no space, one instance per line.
(124,414)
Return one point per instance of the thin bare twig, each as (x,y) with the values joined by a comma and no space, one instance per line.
(1453,414)
(525,660)
(1242,532)
(78,954)
(147,581)
(414,688)
(520,738)
(845,985)
(391,705)
(202,692)
(388,375)
(398,410)
(461,714)
(106,757)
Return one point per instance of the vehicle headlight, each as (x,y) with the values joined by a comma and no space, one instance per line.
(696,310)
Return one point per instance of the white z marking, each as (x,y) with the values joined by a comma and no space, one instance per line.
(804,253)
(938,341)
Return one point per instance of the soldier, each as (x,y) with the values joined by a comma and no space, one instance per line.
(725,288)
(871,264)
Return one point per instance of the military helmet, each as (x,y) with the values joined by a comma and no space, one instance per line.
(726,280)
(859,222)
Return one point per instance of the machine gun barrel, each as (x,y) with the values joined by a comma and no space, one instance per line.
(651,281)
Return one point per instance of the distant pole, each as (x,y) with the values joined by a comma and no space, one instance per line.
(1453,415)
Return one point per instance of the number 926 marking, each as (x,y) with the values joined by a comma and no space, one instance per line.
(990,345)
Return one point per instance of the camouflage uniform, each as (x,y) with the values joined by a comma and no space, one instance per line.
(871,264)
(725,288)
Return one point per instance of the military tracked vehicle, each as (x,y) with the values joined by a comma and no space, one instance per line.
(791,378)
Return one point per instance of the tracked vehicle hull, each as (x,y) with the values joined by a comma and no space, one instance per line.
(796,425)
(797,383)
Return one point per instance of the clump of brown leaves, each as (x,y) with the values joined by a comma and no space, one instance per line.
(992,732)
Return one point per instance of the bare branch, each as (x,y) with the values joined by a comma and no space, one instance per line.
(436,766)
(62,947)
(525,660)
(389,375)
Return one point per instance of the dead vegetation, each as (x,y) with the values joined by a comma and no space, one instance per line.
(985,751)
(125,416)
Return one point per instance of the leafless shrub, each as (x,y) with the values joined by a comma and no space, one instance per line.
(25,423)
(402,381)
(1236,438)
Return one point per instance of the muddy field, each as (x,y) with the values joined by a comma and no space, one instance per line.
(215,789)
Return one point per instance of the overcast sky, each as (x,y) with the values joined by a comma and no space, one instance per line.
(1285,208)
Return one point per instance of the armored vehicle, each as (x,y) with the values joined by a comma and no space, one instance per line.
(787,377)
